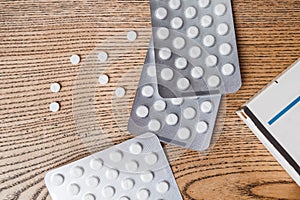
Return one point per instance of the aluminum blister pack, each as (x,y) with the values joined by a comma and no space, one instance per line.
(196,40)
(186,122)
(135,169)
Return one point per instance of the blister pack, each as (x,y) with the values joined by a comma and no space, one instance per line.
(135,169)
(195,43)
(186,122)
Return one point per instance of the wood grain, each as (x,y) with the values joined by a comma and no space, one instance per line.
(38,37)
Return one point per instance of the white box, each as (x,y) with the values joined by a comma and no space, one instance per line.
(274,117)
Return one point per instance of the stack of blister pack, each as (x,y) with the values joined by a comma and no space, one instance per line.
(191,62)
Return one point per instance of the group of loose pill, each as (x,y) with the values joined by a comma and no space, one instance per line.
(103,78)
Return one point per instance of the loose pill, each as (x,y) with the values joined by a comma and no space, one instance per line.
(102,56)
(103,79)
(120,92)
(55,87)
(131,36)
(75,59)
(54,107)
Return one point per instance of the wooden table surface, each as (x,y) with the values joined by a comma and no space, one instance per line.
(37,39)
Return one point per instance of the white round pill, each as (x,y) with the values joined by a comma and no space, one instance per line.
(181,63)
(192,32)
(179,43)
(124,198)
(73,189)
(160,105)
(176,23)
(161,13)
(206,21)
(108,192)
(197,72)
(213,81)
(189,113)
(57,179)
(154,125)
(127,184)
(151,158)
(165,53)
(116,156)
(204,3)
(76,172)
(177,101)
(174,4)
(172,119)
(55,87)
(132,165)
(162,33)
(102,56)
(75,59)
(131,36)
(103,79)
(120,92)
(206,107)
(209,40)
(167,74)
(163,187)
(227,69)
(96,163)
(211,61)
(112,174)
(183,84)
(136,148)
(151,71)
(201,127)
(222,29)
(190,12)
(54,107)
(184,133)
(92,181)
(225,49)
(147,91)
(89,196)
(143,194)
(195,52)
(142,111)
(147,177)
(220,9)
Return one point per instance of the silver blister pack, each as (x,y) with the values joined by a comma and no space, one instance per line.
(195,47)
(135,169)
(186,122)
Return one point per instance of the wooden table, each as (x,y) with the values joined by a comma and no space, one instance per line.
(37,39)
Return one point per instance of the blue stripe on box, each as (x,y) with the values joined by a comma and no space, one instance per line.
(285,110)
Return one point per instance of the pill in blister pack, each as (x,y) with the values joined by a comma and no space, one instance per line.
(135,169)
(186,122)
(196,40)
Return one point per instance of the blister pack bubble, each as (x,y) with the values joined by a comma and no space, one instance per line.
(133,170)
(196,40)
(186,122)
